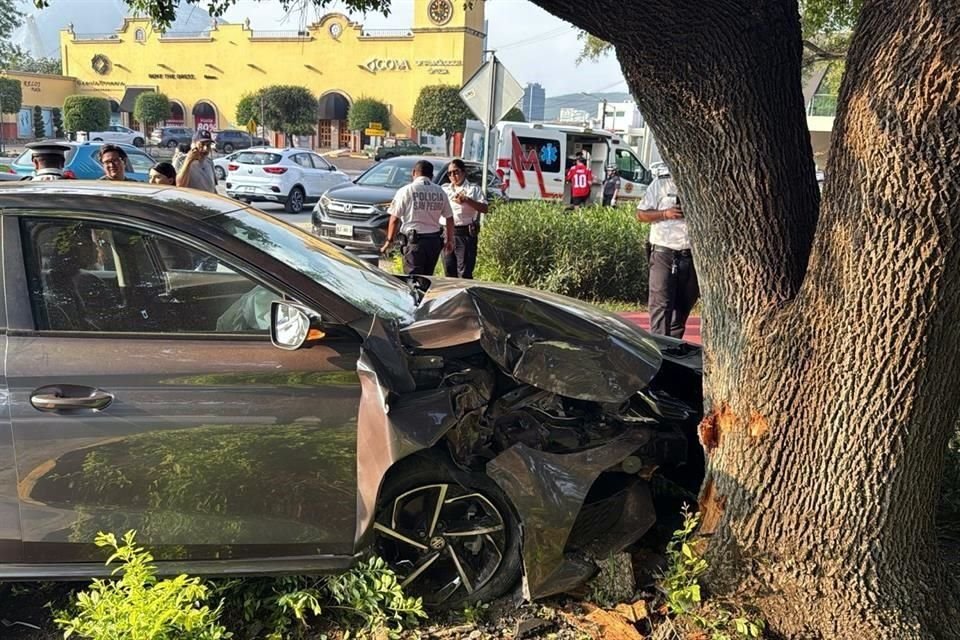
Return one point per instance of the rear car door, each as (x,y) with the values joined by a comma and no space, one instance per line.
(309,176)
(146,394)
(537,168)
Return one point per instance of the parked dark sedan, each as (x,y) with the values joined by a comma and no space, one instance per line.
(252,399)
(354,215)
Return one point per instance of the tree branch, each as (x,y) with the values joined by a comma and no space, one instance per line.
(820,53)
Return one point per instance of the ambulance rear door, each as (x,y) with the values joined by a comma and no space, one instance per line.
(531,162)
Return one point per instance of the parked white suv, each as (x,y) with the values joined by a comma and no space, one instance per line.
(117,133)
(292,177)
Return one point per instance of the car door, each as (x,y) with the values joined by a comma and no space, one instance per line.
(146,395)
(10,543)
(327,176)
(309,176)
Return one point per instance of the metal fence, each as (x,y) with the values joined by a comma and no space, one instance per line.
(823,104)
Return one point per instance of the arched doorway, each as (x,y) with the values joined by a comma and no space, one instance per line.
(332,130)
(115,116)
(177,114)
(204,116)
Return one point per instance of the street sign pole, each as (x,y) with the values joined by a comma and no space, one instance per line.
(488,124)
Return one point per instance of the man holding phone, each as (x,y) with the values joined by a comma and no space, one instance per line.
(674,288)
(197,170)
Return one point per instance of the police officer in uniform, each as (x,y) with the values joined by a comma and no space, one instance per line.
(49,159)
(674,288)
(418,209)
(467,203)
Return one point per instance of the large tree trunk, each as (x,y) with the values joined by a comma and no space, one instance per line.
(832,343)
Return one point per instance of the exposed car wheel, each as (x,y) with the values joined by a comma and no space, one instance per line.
(227,148)
(220,173)
(450,536)
(294,203)
(138,142)
(98,139)
(172,144)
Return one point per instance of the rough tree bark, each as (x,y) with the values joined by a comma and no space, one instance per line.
(831,330)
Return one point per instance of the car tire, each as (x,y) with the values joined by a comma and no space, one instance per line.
(172,144)
(98,140)
(228,148)
(490,560)
(295,200)
(220,173)
(138,142)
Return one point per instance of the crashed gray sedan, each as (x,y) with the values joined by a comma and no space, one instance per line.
(252,400)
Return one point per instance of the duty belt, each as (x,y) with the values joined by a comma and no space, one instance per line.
(676,252)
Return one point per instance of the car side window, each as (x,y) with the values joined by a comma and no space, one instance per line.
(319,162)
(303,160)
(95,277)
(141,162)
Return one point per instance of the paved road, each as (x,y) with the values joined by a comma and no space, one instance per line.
(642,320)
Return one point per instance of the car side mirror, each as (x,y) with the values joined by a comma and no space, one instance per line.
(289,324)
(333,168)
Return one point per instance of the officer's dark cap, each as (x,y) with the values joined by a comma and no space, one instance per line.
(48,148)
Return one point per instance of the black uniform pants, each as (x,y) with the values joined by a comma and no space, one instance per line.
(674,290)
(420,257)
(461,262)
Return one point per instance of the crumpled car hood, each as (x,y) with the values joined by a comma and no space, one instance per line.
(552,342)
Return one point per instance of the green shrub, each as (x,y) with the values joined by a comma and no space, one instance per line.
(593,253)
(38,129)
(86,113)
(137,606)
(57,117)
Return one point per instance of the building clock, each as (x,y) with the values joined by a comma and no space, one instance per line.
(336,29)
(440,11)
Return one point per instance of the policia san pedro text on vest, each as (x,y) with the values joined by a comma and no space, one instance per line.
(419,207)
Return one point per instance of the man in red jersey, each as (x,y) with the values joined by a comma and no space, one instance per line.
(580,179)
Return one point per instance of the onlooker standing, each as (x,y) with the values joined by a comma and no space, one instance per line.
(163,173)
(674,288)
(611,187)
(180,155)
(114,161)
(197,171)
(419,207)
(467,203)
(49,158)
(580,178)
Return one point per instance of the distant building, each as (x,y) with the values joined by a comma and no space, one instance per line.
(621,117)
(569,114)
(534,98)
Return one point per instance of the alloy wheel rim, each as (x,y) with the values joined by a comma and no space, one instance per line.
(442,540)
(296,201)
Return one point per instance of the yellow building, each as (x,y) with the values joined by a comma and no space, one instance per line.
(44,91)
(205,74)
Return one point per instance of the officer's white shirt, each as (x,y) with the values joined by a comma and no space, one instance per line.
(662,195)
(420,206)
(465,213)
(45,175)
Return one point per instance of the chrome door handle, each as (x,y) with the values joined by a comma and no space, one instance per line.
(68,397)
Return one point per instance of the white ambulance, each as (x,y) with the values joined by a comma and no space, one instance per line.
(532,159)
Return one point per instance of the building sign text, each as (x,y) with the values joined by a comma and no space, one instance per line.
(379,64)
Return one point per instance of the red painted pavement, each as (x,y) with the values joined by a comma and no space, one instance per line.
(642,320)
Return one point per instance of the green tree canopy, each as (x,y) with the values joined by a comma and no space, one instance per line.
(367,110)
(11,94)
(38,128)
(514,115)
(10,19)
(440,110)
(249,108)
(86,113)
(289,109)
(56,116)
(151,108)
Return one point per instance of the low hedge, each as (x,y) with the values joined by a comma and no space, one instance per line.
(592,253)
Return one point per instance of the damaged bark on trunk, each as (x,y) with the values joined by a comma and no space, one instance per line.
(831,340)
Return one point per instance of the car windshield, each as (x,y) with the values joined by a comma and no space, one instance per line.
(258,157)
(365,287)
(394,174)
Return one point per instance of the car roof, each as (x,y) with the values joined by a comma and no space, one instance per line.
(157,203)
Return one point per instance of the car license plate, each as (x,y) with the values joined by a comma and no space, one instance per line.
(247,189)
(344,230)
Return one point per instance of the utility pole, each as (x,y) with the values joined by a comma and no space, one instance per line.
(603,116)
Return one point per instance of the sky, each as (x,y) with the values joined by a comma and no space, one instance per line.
(532,44)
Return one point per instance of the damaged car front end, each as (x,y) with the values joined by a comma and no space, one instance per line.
(536,413)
